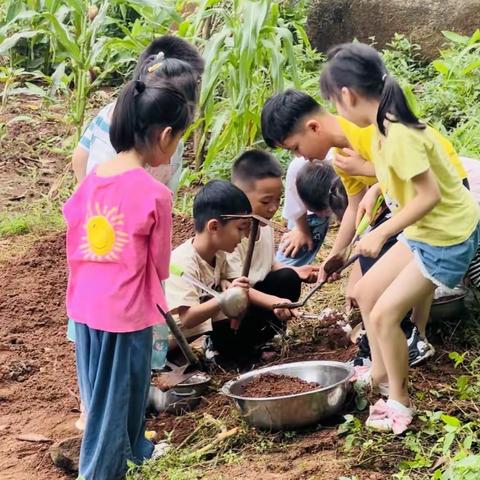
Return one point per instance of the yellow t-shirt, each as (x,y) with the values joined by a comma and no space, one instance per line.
(361,141)
(408,152)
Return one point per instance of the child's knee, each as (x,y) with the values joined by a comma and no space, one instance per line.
(363,296)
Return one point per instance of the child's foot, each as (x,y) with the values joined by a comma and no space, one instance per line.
(389,416)
(363,376)
(82,420)
(419,348)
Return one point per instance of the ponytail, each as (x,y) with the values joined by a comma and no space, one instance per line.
(359,67)
(144,107)
(122,128)
(394,106)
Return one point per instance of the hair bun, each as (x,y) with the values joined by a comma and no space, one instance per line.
(139,86)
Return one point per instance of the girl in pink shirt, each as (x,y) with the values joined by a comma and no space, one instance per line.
(118,251)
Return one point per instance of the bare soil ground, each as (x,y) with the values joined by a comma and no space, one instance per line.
(38,392)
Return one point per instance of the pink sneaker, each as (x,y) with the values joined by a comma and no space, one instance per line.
(389,416)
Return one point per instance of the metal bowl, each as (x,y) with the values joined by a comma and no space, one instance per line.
(198,382)
(449,307)
(299,410)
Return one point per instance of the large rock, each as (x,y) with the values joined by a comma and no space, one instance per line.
(336,21)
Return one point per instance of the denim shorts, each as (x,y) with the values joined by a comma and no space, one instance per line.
(318,229)
(444,266)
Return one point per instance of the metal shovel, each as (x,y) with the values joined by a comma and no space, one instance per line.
(183,372)
(233,301)
(317,287)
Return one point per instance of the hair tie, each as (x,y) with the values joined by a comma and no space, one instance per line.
(159,58)
(384,77)
(139,86)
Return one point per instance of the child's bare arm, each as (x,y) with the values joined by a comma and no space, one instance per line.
(427,196)
(264,300)
(79,163)
(353,163)
(190,317)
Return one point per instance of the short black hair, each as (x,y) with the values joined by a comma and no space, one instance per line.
(172,47)
(217,198)
(314,181)
(282,112)
(255,165)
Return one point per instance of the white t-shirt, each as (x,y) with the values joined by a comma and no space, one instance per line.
(293,207)
(96,141)
(262,260)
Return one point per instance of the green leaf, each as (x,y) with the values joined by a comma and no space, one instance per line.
(440,67)
(455,37)
(64,38)
(452,421)
(12,40)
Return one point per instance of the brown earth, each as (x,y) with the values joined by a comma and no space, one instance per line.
(38,393)
(273,385)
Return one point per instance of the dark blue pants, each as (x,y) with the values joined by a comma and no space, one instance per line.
(113,372)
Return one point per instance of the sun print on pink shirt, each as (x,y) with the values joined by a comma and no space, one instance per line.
(104,238)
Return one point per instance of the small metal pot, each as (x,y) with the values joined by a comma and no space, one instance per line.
(299,410)
(446,308)
(198,383)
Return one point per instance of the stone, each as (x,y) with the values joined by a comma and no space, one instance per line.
(66,453)
(422,21)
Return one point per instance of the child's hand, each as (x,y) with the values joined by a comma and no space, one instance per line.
(352,163)
(322,275)
(371,245)
(308,273)
(283,314)
(241,282)
(224,284)
(293,241)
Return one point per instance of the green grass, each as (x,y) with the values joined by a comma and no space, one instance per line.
(39,217)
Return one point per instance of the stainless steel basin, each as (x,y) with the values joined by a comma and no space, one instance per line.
(299,410)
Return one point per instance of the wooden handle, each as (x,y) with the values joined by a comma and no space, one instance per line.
(251,246)
(179,337)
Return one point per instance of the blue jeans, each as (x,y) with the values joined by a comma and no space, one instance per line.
(318,229)
(113,371)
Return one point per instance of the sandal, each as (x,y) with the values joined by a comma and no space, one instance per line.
(363,375)
(389,416)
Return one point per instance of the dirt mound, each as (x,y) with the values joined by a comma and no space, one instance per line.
(182,229)
(38,385)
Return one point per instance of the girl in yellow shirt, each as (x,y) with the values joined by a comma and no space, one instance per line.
(438,217)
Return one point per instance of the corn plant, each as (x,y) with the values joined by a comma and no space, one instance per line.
(250,55)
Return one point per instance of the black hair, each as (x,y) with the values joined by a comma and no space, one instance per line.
(281,115)
(313,182)
(255,165)
(217,198)
(143,107)
(359,67)
(338,198)
(319,188)
(172,47)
